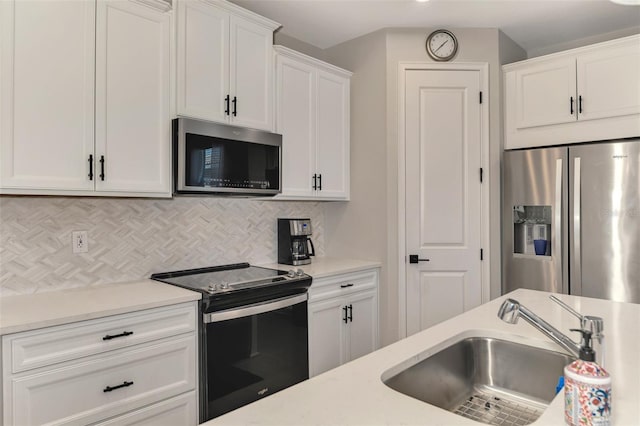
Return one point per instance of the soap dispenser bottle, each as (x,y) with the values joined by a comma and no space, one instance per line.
(587,388)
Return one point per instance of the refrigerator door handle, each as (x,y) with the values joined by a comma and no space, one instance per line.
(557,232)
(576,279)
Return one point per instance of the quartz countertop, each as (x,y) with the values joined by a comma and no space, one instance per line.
(321,267)
(38,310)
(354,394)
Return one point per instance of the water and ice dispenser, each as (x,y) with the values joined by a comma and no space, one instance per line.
(532,230)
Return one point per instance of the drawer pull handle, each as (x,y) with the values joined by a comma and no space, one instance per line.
(346,285)
(109,337)
(112,388)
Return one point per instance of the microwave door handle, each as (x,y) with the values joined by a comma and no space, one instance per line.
(313,249)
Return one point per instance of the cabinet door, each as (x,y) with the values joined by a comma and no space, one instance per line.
(203,60)
(326,335)
(332,147)
(133,118)
(544,94)
(362,334)
(609,81)
(181,410)
(295,112)
(46,94)
(91,390)
(250,74)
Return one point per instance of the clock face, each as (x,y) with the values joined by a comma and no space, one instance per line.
(442,45)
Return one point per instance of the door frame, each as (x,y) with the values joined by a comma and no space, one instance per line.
(483,69)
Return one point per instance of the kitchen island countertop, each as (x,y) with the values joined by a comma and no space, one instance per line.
(354,394)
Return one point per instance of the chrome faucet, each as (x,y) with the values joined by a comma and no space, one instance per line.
(590,323)
(511,310)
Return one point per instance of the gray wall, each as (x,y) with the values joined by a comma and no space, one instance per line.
(367,227)
(476,45)
(298,46)
(358,229)
(584,41)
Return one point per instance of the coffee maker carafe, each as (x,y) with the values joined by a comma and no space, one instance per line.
(294,241)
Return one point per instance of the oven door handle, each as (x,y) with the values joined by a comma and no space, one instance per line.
(255,309)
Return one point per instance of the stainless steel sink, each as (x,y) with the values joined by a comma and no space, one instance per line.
(488,380)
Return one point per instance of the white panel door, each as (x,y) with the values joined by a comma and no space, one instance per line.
(250,74)
(546,94)
(363,325)
(443,203)
(609,82)
(295,112)
(326,335)
(133,82)
(332,151)
(203,60)
(46,94)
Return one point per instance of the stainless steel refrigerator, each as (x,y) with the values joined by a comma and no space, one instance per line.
(571,220)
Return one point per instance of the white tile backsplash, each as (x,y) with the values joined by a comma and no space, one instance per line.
(131,238)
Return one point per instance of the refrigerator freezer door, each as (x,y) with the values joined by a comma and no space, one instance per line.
(535,207)
(604,182)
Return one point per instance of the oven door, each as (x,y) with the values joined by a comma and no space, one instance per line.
(253,351)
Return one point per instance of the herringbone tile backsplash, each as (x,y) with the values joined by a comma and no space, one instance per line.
(131,238)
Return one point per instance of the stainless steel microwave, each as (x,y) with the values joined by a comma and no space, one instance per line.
(219,159)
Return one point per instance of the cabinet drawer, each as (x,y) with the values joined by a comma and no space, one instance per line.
(343,284)
(52,345)
(79,393)
(181,410)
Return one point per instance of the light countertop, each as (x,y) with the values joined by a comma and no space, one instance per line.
(354,393)
(31,311)
(321,267)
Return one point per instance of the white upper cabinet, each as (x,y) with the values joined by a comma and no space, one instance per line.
(47,61)
(546,93)
(586,94)
(133,117)
(203,60)
(225,65)
(332,130)
(609,83)
(312,114)
(86,98)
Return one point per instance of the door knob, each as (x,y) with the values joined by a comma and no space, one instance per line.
(413,258)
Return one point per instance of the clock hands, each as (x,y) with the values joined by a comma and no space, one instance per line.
(439,47)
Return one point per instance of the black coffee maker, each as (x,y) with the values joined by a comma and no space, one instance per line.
(294,241)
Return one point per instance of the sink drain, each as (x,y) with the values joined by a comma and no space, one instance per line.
(494,409)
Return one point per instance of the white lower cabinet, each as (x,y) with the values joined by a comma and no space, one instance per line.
(181,410)
(117,370)
(343,319)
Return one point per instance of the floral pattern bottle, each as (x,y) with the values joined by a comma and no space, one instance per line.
(587,389)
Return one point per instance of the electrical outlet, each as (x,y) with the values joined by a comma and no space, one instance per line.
(80,241)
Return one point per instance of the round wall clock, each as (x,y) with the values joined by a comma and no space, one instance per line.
(442,45)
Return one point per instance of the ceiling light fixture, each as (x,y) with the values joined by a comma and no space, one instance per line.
(422,1)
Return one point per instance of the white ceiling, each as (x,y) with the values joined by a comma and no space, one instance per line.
(533,24)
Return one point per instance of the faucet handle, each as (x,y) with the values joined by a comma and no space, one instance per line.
(587,322)
(594,324)
(567,307)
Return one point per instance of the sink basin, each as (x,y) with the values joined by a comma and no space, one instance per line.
(489,380)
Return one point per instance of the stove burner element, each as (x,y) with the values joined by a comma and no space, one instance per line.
(236,284)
